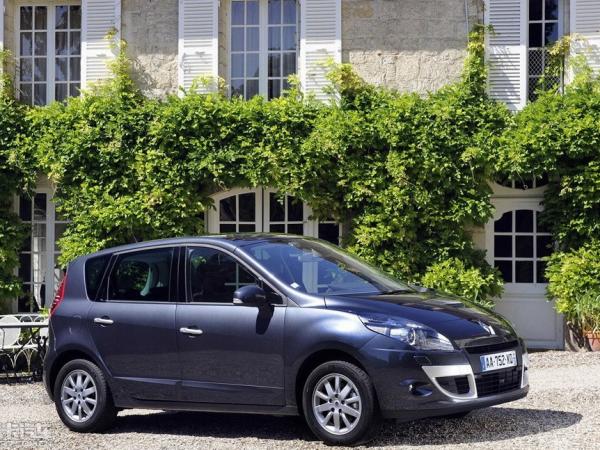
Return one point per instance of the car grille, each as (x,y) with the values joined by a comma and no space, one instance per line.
(455,385)
(492,347)
(498,382)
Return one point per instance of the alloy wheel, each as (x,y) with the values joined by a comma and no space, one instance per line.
(337,404)
(79,396)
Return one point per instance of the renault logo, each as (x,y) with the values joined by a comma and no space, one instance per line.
(486,327)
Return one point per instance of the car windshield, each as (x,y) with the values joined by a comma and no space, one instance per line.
(318,268)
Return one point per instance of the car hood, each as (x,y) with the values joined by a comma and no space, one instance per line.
(455,318)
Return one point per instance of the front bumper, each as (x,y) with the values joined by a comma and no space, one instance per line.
(413,385)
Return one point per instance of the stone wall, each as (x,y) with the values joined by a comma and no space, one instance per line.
(410,45)
(151,29)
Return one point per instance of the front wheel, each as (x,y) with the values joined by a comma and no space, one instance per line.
(339,403)
(82,398)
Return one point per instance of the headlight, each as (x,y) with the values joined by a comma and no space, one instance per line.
(414,334)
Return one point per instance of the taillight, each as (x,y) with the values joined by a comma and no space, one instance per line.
(60,293)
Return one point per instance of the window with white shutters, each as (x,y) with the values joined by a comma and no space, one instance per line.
(585,23)
(49,52)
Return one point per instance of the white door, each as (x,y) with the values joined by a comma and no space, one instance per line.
(256,210)
(516,243)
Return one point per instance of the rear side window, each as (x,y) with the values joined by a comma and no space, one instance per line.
(142,276)
(94,269)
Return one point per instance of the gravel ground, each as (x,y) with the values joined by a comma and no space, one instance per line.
(561,411)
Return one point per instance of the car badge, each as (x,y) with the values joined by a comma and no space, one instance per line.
(486,327)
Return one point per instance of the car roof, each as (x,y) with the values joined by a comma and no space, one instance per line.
(228,241)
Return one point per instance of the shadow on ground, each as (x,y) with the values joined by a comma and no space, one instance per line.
(488,425)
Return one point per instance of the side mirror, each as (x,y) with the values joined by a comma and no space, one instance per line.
(251,295)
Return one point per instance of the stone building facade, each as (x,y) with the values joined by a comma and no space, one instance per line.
(60,46)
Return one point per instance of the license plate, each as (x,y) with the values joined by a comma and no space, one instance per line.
(498,361)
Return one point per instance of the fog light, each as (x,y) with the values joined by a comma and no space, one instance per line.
(420,389)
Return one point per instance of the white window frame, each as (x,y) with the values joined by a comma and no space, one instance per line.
(51,49)
(263,45)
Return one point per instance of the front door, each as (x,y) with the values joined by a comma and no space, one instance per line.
(229,353)
(133,325)
(517,244)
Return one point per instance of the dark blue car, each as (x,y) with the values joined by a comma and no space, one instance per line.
(272,325)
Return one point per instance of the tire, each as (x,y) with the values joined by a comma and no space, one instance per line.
(353,427)
(95,411)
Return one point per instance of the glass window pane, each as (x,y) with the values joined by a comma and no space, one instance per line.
(237,65)
(524,221)
(24,208)
(329,232)
(75,69)
(541,272)
(544,246)
(252,39)
(26,21)
(274,38)
(247,207)
(541,226)
(39,69)
(251,88)
(74,89)
(237,13)
(289,38)
(227,209)
(26,45)
(524,246)
(550,33)
(237,40)
(276,208)
(61,69)
(141,276)
(274,11)
(237,88)
(504,223)
(227,228)
(247,228)
(274,89)
(39,95)
(75,16)
(551,9)
(25,267)
(61,43)
(39,207)
(535,35)
(277,228)
(289,64)
(524,272)
(26,94)
(274,65)
(61,91)
(296,228)
(295,209)
(26,70)
(536,62)
(535,9)
(75,43)
(62,17)
(252,65)
(252,13)
(289,11)
(503,246)
(40,44)
(40,17)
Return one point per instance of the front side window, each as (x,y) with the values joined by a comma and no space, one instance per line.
(264,46)
(544,31)
(49,54)
(141,276)
(317,268)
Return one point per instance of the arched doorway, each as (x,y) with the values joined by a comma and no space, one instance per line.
(516,243)
(243,210)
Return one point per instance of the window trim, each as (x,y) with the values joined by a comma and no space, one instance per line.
(187,277)
(263,45)
(103,291)
(51,47)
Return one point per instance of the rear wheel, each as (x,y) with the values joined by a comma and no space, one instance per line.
(82,398)
(339,403)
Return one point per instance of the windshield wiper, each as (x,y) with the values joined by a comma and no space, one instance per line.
(397,291)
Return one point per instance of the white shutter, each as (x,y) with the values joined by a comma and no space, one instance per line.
(198,41)
(99,18)
(320,41)
(506,50)
(585,22)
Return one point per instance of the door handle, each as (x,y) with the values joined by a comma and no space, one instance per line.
(191,331)
(103,321)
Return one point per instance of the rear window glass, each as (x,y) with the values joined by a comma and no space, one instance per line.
(94,269)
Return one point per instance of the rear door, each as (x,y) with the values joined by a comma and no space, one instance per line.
(229,353)
(133,323)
